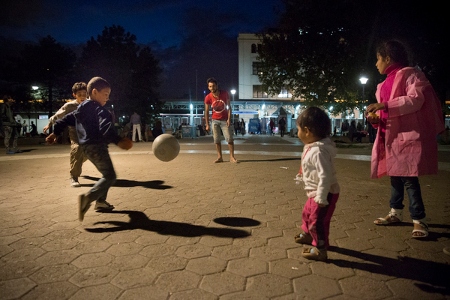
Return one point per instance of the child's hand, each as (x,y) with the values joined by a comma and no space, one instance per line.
(51,138)
(125,143)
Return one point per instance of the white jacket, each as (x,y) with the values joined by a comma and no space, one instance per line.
(319,174)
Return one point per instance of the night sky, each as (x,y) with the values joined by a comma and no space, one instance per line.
(193,39)
(155,21)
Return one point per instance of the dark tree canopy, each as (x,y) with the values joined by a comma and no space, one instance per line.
(321,47)
(48,65)
(132,72)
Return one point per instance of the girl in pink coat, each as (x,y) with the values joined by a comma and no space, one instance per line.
(408,117)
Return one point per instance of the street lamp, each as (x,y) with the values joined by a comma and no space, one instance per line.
(233,91)
(363,81)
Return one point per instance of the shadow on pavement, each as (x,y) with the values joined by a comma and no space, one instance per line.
(237,221)
(139,220)
(270,159)
(153,184)
(433,276)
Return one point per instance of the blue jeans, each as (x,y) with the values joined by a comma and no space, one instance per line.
(412,185)
(98,154)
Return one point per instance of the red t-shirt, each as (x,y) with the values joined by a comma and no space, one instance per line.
(218,105)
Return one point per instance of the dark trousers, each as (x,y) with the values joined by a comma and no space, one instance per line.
(412,185)
(98,154)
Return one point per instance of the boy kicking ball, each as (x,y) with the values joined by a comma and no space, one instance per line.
(95,131)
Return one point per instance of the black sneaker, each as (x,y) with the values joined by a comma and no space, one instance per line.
(83,206)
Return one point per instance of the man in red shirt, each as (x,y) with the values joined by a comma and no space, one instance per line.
(219,102)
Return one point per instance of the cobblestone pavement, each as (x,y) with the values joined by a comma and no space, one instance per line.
(192,229)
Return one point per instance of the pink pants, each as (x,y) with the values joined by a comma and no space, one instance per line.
(316,220)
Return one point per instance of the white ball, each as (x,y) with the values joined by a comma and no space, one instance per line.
(165,147)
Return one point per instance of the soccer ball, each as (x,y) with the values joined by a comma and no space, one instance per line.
(165,147)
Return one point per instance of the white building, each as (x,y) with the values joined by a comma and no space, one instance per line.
(250,94)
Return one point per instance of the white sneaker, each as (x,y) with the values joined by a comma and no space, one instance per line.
(103,206)
(74,182)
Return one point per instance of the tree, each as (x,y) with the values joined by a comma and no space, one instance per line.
(132,72)
(48,65)
(321,47)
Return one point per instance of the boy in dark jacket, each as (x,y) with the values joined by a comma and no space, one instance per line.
(95,130)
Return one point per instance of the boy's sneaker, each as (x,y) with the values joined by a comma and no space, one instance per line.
(83,206)
(9,151)
(74,182)
(314,253)
(103,206)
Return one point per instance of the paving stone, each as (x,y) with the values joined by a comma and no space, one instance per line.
(313,287)
(93,276)
(247,266)
(126,262)
(229,252)
(177,281)
(193,294)
(126,279)
(268,253)
(17,269)
(289,268)
(15,288)
(194,251)
(270,285)
(364,287)
(206,265)
(52,290)
(148,292)
(98,292)
(54,273)
(229,282)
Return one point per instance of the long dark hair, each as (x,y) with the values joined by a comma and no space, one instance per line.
(396,50)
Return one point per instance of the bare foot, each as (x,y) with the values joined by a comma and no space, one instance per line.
(219,160)
(233,160)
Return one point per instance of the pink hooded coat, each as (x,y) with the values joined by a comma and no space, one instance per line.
(414,120)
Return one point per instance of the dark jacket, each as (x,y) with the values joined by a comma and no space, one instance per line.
(93,123)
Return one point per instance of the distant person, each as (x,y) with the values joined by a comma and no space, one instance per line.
(24,128)
(352,130)
(8,126)
(344,128)
(272,127)
(95,129)
(236,127)
(359,126)
(34,131)
(77,157)
(218,101)
(282,126)
(157,129)
(135,121)
(318,174)
(18,127)
(242,127)
(408,118)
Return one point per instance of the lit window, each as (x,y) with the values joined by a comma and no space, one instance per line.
(258,92)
